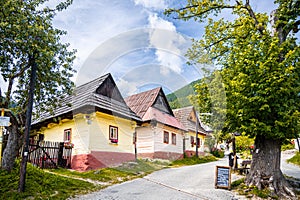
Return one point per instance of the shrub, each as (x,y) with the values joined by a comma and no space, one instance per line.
(217,153)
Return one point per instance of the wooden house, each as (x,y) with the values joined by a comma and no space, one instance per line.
(160,134)
(97,121)
(189,118)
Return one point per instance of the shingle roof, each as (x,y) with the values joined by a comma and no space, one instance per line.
(141,102)
(183,115)
(91,94)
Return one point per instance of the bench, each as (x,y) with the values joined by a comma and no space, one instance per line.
(245,166)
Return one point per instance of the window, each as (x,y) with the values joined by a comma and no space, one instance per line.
(174,138)
(67,135)
(166,137)
(192,141)
(113,134)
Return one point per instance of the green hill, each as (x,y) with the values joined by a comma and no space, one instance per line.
(179,98)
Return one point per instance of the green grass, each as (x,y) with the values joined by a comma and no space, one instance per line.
(249,192)
(63,183)
(40,185)
(193,161)
(287,146)
(143,166)
(295,159)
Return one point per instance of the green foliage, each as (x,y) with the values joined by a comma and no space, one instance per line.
(180,98)
(243,143)
(193,160)
(259,66)
(237,183)
(40,185)
(28,37)
(210,100)
(295,159)
(217,153)
(210,142)
(287,146)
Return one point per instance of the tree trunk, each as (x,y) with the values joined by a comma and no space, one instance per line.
(265,169)
(13,145)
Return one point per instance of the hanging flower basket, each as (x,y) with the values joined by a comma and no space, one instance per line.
(68,145)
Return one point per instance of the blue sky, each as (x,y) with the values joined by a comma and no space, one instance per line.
(134,41)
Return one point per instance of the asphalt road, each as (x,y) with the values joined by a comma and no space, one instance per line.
(289,169)
(184,183)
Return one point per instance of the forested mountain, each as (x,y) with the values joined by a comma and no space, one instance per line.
(180,98)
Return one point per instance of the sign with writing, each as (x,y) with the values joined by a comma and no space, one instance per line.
(4,121)
(223,177)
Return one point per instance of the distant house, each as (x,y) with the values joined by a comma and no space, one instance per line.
(97,121)
(188,117)
(160,134)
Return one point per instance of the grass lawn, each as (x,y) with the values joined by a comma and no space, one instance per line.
(41,185)
(63,183)
(295,159)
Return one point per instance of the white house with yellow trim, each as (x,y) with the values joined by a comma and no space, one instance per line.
(160,134)
(188,117)
(97,121)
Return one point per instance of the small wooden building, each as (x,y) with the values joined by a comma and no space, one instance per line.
(160,134)
(189,118)
(97,121)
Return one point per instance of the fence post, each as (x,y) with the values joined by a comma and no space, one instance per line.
(60,154)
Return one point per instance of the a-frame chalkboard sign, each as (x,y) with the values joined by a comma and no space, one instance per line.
(223,177)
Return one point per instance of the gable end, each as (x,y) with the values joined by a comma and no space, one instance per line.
(161,103)
(109,88)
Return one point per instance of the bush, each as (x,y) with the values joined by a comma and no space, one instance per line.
(287,146)
(217,153)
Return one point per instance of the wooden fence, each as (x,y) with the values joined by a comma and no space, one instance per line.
(47,154)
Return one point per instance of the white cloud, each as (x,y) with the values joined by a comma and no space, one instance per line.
(159,23)
(167,42)
(155,4)
(127,88)
(89,23)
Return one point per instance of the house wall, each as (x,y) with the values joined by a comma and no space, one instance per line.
(80,133)
(145,141)
(92,147)
(190,149)
(151,143)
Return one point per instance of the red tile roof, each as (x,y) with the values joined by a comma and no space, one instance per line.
(141,102)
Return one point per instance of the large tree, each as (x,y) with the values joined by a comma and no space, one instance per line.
(210,102)
(28,38)
(259,56)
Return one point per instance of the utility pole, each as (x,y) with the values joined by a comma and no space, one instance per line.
(28,124)
(1,136)
(197,142)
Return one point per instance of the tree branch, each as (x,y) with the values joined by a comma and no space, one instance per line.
(218,41)
(295,26)
(9,90)
(213,7)
(252,14)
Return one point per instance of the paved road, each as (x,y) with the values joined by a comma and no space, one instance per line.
(184,183)
(289,169)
